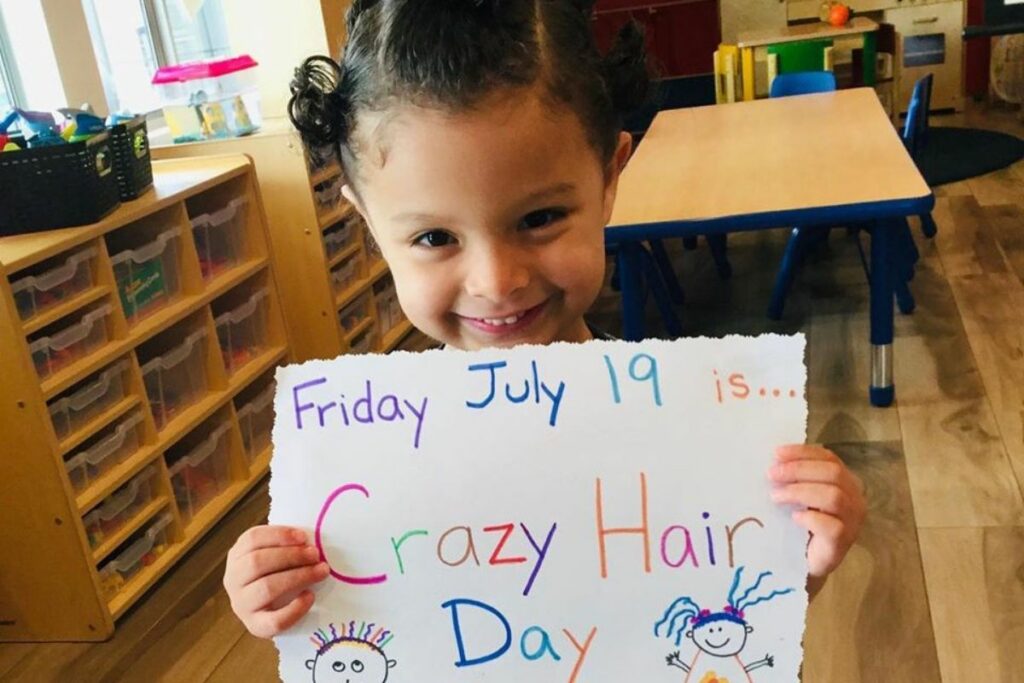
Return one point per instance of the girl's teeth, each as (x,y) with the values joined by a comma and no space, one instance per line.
(502,321)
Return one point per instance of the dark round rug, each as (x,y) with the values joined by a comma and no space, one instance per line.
(952,154)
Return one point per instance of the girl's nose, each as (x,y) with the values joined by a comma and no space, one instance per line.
(496,273)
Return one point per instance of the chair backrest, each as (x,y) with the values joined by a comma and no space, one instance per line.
(803,83)
(915,128)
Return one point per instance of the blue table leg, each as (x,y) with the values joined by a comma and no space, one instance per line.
(662,297)
(630,278)
(668,274)
(883,243)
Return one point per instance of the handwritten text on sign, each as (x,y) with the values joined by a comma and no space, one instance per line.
(575,512)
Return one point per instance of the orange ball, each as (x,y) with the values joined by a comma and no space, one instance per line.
(839,15)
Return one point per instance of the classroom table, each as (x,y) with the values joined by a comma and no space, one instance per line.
(748,41)
(825,159)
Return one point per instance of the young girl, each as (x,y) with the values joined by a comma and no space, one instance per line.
(482,142)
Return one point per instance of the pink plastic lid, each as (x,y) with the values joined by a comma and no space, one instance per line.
(193,71)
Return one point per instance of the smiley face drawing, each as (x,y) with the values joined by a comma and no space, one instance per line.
(350,655)
(719,637)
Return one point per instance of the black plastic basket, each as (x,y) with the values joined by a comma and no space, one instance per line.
(57,187)
(133,165)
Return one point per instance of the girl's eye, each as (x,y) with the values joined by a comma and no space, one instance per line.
(542,218)
(434,238)
(338,666)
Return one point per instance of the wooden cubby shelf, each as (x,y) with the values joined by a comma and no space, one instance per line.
(122,440)
(299,224)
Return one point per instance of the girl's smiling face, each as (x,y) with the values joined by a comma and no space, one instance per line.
(491,219)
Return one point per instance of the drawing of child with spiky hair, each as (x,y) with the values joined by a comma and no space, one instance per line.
(352,655)
(719,636)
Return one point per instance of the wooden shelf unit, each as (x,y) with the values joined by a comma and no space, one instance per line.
(51,586)
(290,181)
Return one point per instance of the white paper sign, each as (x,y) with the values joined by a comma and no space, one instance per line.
(596,512)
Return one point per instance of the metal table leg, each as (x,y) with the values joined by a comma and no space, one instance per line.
(882,390)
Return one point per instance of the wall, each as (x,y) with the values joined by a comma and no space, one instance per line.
(279,36)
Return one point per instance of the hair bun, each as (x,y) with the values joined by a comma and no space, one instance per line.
(314,106)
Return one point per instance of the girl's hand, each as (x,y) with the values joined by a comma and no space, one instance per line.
(268,575)
(829,498)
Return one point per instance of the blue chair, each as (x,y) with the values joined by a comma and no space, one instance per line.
(915,135)
(802,237)
(802,83)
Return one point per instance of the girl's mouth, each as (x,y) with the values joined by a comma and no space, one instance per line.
(508,324)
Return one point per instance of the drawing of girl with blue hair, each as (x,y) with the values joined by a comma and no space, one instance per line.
(719,636)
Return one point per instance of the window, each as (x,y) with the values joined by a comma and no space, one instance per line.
(28,69)
(132,38)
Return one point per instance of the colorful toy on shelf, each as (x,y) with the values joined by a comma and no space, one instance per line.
(839,15)
(215,99)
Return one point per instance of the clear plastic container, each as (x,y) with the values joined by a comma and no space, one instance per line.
(364,342)
(389,312)
(339,237)
(117,443)
(35,294)
(200,475)
(142,552)
(70,412)
(219,238)
(147,277)
(328,196)
(211,99)
(256,418)
(347,273)
(177,379)
(242,332)
(120,507)
(355,313)
(54,352)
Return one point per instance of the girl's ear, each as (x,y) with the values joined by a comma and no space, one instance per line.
(750,629)
(349,193)
(689,634)
(391,663)
(310,663)
(618,162)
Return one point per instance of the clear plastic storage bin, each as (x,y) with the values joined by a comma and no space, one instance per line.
(211,99)
(242,332)
(200,475)
(117,443)
(35,294)
(356,312)
(328,196)
(256,419)
(141,552)
(365,342)
(119,508)
(70,412)
(147,277)
(339,238)
(219,238)
(389,312)
(54,352)
(177,379)
(347,273)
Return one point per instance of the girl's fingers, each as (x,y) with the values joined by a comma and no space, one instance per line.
(828,543)
(269,623)
(819,471)
(827,498)
(248,568)
(804,452)
(267,536)
(263,593)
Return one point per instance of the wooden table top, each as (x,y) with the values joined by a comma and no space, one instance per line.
(792,154)
(816,31)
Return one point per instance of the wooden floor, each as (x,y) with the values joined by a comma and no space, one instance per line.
(934,590)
